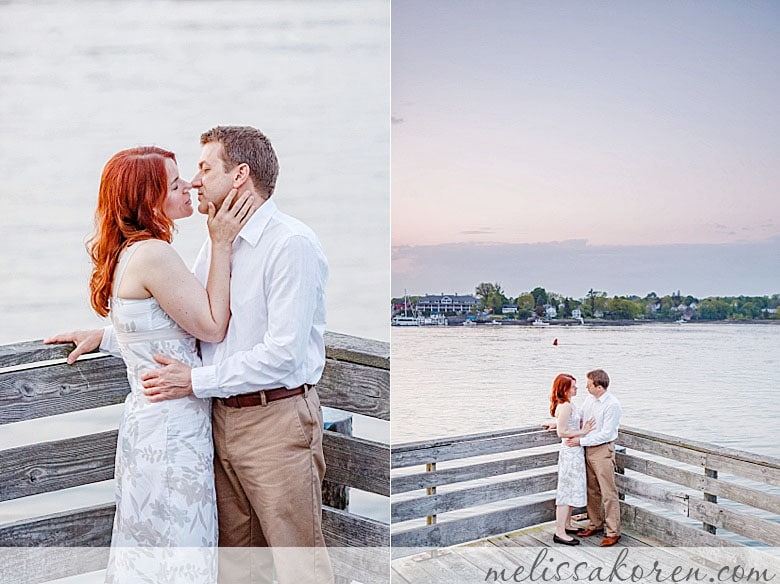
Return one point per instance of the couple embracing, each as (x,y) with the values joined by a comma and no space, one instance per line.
(220,441)
(586,462)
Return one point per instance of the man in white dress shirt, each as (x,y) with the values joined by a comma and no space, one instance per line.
(599,445)
(267,420)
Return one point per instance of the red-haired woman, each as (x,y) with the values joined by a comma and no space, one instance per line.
(164,459)
(572,489)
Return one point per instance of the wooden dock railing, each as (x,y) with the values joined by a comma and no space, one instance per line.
(532,453)
(35,382)
(726,489)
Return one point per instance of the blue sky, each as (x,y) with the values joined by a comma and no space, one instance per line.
(635,129)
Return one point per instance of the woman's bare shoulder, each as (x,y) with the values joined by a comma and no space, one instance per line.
(155,250)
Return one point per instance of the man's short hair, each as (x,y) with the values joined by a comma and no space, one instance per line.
(247,145)
(599,377)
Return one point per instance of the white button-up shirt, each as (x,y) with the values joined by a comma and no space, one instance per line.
(277,304)
(606,410)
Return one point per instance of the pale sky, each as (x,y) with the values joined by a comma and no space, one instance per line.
(614,123)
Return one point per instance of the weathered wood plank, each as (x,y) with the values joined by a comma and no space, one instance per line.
(449,533)
(337,346)
(472,496)
(675,501)
(355,388)
(669,531)
(446,568)
(341,528)
(425,480)
(751,527)
(356,377)
(33,565)
(673,451)
(423,444)
(703,447)
(49,466)
(455,448)
(92,527)
(367,565)
(28,352)
(738,462)
(357,350)
(61,464)
(89,527)
(762,472)
(760,468)
(721,488)
(61,388)
(357,462)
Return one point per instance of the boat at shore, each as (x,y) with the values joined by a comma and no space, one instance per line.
(539,322)
(405,321)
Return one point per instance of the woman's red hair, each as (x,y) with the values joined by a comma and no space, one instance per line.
(131,199)
(560,391)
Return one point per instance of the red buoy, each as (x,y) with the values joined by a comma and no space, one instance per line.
(555,342)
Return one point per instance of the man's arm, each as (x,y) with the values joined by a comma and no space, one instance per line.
(608,429)
(87,341)
(295,286)
(292,297)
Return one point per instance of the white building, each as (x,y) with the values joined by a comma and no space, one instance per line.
(447,303)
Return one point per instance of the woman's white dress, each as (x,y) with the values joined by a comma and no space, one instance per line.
(572,482)
(165,527)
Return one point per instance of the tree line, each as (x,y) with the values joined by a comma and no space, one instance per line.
(597,304)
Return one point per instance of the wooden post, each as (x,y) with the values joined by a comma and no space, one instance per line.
(620,469)
(333,494)
(430,491)
(713,474)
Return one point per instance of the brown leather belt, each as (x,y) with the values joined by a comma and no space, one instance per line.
(260,398)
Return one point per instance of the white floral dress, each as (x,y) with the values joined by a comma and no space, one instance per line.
(572,482)
(165,527)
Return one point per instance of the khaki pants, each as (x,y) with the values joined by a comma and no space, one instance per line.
(269,466)
(600,470)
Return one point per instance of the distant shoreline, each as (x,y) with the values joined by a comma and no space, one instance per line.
(570,322)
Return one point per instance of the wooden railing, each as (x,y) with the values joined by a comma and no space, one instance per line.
(36,383)
(429,454)
(537,480)
(717,473)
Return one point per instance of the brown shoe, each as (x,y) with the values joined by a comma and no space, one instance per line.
(590,531)
(609,540)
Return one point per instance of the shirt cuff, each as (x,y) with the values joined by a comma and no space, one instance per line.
(204,381)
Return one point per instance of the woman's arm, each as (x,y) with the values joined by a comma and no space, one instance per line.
(224,227)
(157,269)
(563,413)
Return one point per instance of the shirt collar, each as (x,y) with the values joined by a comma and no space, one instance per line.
(254,228)
(603,397)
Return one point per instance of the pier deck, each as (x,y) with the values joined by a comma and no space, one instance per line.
(523,556)
(480,507)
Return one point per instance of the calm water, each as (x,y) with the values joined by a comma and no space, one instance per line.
(711,382)
(82,80)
